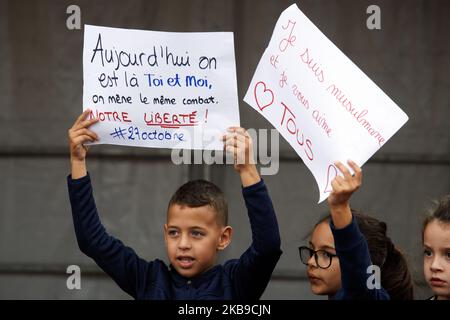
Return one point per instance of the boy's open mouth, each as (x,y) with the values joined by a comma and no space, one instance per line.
(185,261)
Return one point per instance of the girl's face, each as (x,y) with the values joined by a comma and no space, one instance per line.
(324,281)
(436,258)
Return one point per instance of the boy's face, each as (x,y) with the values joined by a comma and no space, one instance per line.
(193,237)
(436,258)
(324,281)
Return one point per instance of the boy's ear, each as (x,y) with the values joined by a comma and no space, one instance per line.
(225,238)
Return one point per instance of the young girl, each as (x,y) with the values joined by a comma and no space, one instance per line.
(436,250)
(349,251)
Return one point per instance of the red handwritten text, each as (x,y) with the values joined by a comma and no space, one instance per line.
(315,68)
(168,120)
(358,115)
(291,127)
(290,39)
(300,97)
(322,122)
(112,116)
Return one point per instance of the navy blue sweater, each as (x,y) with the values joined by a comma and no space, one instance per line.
(354,259)
(245,278)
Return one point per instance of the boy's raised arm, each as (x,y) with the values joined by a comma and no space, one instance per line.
(252,272)
(117,260)
(78,135)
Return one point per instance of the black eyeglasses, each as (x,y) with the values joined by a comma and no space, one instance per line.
(323,258)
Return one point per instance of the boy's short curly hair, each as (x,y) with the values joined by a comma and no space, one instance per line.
(198,193)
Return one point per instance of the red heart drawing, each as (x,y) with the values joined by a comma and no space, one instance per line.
(264,96)
(330,178)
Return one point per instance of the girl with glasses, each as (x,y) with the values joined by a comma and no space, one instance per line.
(349,255)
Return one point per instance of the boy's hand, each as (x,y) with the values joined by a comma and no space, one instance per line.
(343,188)
(78,135)
(239,143)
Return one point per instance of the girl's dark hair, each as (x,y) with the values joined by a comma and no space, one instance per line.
(395,276)
(440,212)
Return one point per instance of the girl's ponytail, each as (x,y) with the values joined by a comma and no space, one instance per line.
(395,276)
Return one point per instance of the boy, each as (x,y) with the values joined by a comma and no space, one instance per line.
(196,230)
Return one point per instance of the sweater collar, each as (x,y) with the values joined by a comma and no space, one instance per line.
(204,277)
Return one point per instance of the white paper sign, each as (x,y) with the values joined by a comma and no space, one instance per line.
(160,89)
(321,103)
